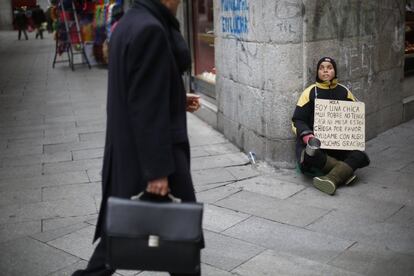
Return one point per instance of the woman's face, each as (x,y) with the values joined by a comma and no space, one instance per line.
(172,5)
(326,71)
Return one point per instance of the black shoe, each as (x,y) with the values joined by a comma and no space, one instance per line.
(78,272)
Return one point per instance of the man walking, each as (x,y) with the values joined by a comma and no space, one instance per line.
(20,20)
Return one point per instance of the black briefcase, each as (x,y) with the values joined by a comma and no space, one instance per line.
(143,235)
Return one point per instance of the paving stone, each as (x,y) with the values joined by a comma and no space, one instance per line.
(216,193)
(218,248)
(397,137)
(26,171)
(131,273)
(36,159)
(199,139)
(374,260)
(219,149)
(95,175)
(218,219)
(69,166)
(27,142)
(289,239)
(78,243)
(408,168)
(198,152)
(58,208)
(50,224)
(88,154)
(298,214)
(405,216)
(152,273)
(375,209)
(403,195)
(363,229)
(28,150)
(268,185)
(225,160)
(387,178)
(289,175)
(50,235)
(71,191)
(17,184)
(68,130)
(85,123)
(21,132)
(71,146)
(27,255)
(17,230)
(93,221)
(15,123)
(208,270)
(68,270)
(94,136)
(392,159)
(20,197)
(273,262)
(243,172)
(98,201)
(60,119)
(210,176)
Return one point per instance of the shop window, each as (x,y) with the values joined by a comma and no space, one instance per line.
(203,47)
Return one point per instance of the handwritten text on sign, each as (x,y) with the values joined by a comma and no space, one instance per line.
(340,124)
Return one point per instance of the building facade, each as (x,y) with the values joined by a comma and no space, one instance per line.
(253,58)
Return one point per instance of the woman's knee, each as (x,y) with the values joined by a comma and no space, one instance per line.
(357,159)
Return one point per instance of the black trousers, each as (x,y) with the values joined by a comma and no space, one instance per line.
(24,32)
(355,159)
(39,32)
(181,185)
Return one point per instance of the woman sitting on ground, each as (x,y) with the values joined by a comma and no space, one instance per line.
(336,166)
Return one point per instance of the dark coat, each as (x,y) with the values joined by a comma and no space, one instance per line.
(146,136)
(38,16)
(20,20)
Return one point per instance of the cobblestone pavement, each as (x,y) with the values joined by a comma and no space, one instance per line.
(258,220)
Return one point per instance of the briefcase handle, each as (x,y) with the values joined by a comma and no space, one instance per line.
(169,195)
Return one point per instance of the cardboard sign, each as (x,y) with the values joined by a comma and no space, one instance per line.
(340,125)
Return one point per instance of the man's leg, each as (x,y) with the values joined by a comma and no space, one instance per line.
(20,34)
(25,34)
(96,265)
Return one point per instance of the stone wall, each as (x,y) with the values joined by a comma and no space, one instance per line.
(266,51)
(6,19)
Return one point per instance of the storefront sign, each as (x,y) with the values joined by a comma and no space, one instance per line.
(340,125)
(234,18)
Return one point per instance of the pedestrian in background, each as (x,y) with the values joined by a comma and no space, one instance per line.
(21,21)
(337,166)
(39,18)
(147,147)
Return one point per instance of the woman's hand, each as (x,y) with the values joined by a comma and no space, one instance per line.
(306,138)
(158,186)
(193,102)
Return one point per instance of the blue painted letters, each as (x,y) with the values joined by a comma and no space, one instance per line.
(234,18)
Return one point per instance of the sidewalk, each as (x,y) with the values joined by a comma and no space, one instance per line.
(258,220)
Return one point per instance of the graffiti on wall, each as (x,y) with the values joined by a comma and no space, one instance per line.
(285,12)
(234,16)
